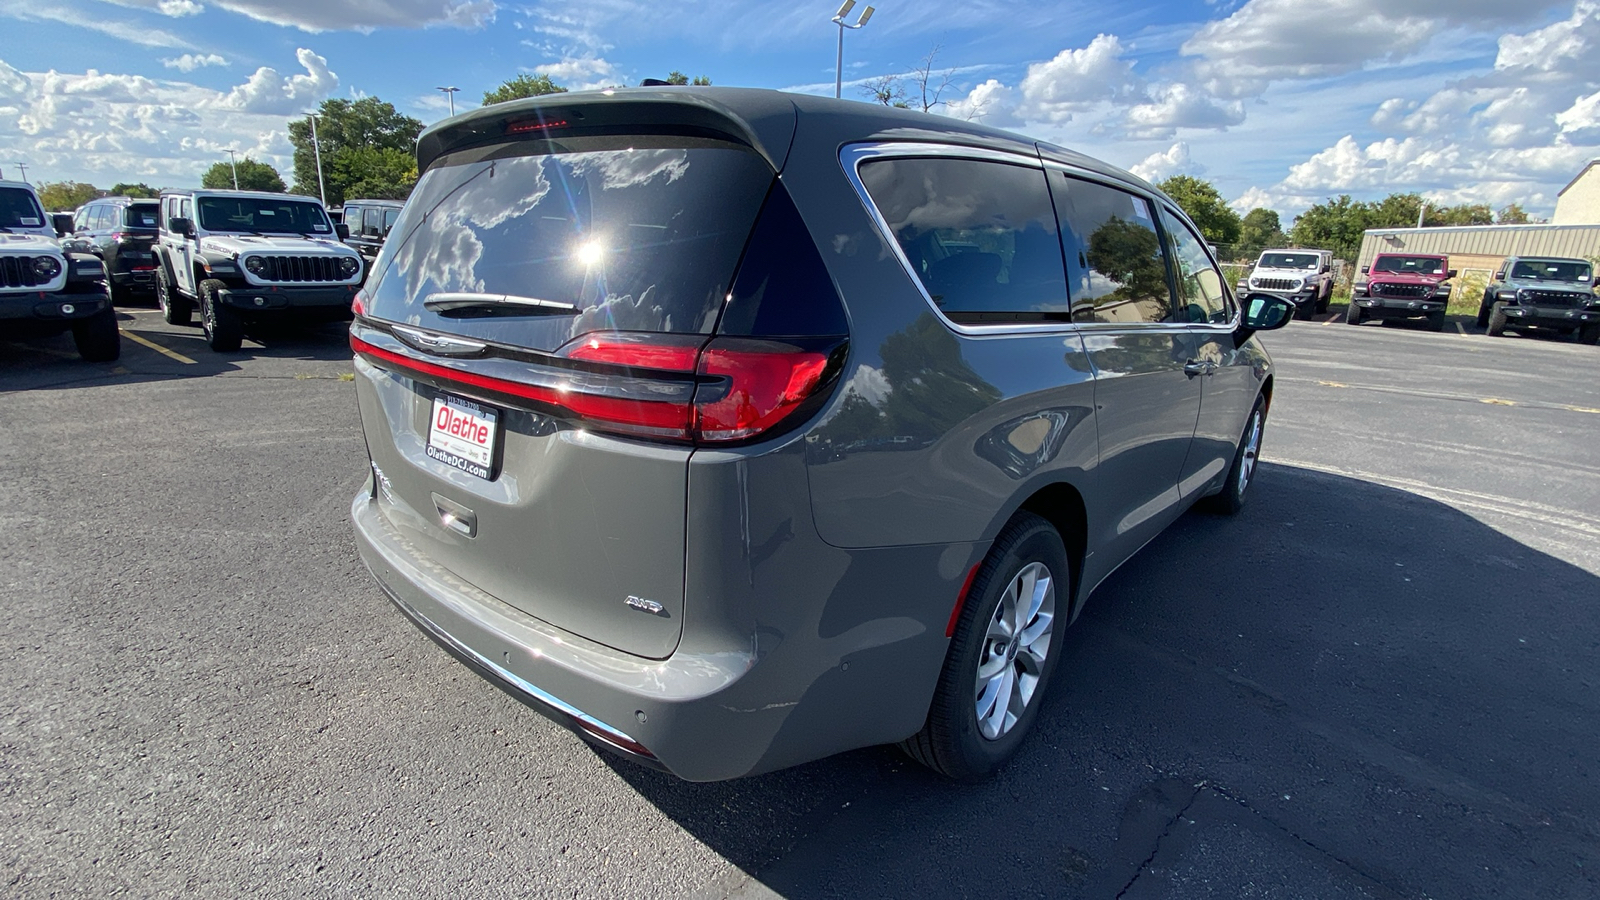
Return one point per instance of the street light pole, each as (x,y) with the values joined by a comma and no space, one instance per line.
(235,164)
(24,170)
(451,93)
(316,151)
(838,19)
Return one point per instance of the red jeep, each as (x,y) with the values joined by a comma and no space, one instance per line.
(1402,286)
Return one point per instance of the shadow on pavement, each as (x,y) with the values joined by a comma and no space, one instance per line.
(1348,690)
(53,363)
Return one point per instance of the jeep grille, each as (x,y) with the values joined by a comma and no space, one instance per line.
(1274,284)
(301,268)
(1554,298)
(17,272)
(1407,291)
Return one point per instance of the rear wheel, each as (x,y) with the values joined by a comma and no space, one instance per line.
(121,295)
(1589,334)
(1496,324)
(223,328)
(97,338)
(174,309)
(1243,470)
(1005,647)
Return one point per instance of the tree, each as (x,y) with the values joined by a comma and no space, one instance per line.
(124,189)
(66,194)
(1197,197)
(1512,215)
(345,125)
(676,77)
(536,85)
(375,173)
(253,176)
(1336,225)
(888,90)
(1260,229)
(923,88)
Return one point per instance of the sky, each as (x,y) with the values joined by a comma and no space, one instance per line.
(1280,103)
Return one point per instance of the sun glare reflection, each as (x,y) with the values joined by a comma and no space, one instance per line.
(590,252)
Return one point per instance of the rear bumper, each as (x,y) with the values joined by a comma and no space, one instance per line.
(1392,308)
(1552,316)
(135,279)
(333,300)
(728,702)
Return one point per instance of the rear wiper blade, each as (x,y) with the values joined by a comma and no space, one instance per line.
(473,304)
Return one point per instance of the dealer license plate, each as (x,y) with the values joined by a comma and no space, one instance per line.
(463,434)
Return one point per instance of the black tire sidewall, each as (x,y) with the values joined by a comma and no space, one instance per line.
(969,755)
(96,337)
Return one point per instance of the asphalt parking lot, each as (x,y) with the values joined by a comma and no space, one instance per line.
(1381,680)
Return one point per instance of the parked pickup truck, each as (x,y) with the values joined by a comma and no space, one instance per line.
(1542,292)
(1402,286)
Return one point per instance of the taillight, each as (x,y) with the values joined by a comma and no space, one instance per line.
(358,305)
(766,382)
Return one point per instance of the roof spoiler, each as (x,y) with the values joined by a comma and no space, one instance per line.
(766,125)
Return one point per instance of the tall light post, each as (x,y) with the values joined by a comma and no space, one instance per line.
(235,164)
(316,151)
(838,19)
(451,93)
(24,171)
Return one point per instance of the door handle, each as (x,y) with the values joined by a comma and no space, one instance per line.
(1199,367)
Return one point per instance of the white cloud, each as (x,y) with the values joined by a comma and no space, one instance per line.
(1177,105)
(172,8)
(1077,80)
(65,14)
(580,73)
(365,15)
(1175,160)
(1272,40)
(188,62)
(268,92)
(991,102)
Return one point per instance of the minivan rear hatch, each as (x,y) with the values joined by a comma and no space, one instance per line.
(529,459)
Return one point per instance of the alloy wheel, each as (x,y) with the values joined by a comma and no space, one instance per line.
(1014,650)
(1252,449)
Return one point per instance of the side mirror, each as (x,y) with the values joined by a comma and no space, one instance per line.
(180,225)
(1450,274)
(1365,270)
(342,230)
(1500,275)
(62,232)
(1264,312)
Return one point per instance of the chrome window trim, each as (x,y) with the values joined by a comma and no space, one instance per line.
(853,156)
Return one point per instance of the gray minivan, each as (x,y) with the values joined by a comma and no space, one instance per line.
(733,429)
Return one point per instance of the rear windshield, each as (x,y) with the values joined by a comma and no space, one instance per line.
(1289,260)
(1409,265)
(141,215)
(634,234)
(18,209)
(262,215)
(1542,270)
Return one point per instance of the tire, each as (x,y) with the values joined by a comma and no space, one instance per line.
(174,309)
(1589,334)
(1353,314)
(97,337)
(120,295)
(990,656)
(1496,324)
(1306,312)
(1235,490)
(1483,309)
(1436,321)
(223,328)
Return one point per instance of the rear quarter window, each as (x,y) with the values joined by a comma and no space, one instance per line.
(981,236)
(636,233)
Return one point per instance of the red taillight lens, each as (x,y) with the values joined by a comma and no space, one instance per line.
(359,304)
(767,381)
(638,350)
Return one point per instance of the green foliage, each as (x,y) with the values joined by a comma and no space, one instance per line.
(1218,223)
(374,173)
(523,86)
(142,190)
(1335,225)
(677,77)
(253,176)
(354,125)
(1129,254)
(66,194)
(1259,230)
(1512,215)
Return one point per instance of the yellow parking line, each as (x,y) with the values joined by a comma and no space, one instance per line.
(170,354)
(1462,329)
(1497,402)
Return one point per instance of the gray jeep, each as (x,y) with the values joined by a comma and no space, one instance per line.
(44,290)
(244,258)
(1542,292)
